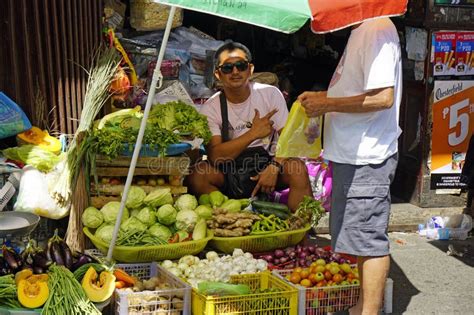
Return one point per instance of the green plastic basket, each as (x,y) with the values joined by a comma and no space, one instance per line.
(138,254)
(259,243)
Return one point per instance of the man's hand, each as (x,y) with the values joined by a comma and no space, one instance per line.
(262,127)
(266,180)
(314,103)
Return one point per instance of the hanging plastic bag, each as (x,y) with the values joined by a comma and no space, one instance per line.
(300,136)
(320,178)
(12,119)
(34,196)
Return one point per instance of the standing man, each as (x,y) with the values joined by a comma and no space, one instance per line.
(256,114)
(361,139)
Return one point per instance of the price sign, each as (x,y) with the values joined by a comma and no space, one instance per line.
(453,125)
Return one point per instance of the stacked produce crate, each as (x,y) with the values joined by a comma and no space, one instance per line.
(150,173)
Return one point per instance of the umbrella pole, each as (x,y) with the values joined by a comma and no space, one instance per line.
(157,79)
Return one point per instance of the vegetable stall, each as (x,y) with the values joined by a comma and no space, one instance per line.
(128,237)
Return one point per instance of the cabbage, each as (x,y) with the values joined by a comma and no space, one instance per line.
(186,202)
(166,214)
(135,197)
(204,211)
(105,232)
(92,218)
(111,210)
(160,231)
(133,224)
(147,216)
(204,199)
(186,219)
(159,197)
(134,212)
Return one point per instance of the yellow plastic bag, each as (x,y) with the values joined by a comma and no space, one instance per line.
(300,136)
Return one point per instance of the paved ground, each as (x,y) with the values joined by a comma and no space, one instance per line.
(426,279)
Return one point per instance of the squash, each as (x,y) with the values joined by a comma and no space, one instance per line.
(36,136)
(22,275)
(32,294)
(98,288)
(42,277)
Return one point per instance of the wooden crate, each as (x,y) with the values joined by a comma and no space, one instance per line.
(146,166)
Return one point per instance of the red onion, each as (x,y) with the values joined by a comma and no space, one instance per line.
(283,260)
(268,258)
(276,261)
(292,255)
(311,249)
(302,255)
(279,253)
(302,262)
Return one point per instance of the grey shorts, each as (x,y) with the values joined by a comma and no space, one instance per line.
(360,208)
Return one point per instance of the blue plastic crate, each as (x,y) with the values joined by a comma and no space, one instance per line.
(173,149)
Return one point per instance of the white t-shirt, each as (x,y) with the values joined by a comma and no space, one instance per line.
(262,97)
(371,60)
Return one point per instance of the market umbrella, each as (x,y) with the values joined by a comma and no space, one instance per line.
(286,16)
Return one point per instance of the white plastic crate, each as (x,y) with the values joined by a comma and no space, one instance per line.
(149,302)
(329,299)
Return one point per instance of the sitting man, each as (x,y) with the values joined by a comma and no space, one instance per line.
(241,160)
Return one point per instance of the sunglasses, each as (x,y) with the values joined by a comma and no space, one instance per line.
(227,68)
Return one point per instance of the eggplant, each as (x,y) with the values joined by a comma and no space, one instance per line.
(56,254)
(40,260)
(3,267)
(66,254)
(38,270)
(82,260)
(11,257)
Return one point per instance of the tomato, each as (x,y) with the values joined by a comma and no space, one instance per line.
(295,278)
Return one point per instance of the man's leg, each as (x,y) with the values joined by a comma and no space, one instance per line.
(373,273)
(295,176)
(204,178)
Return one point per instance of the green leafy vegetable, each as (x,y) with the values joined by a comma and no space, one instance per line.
(35,156)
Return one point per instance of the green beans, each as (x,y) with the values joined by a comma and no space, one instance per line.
(66,296)
(269,224)
(139,238)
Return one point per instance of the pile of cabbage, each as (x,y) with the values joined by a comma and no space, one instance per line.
(156,213)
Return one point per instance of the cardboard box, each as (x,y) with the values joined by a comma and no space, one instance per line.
(464,53)
(444,58)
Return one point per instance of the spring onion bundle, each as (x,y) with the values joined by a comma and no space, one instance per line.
(97,93)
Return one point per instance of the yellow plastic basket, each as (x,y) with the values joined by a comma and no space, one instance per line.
(259,243)
(137,254)
(282,302)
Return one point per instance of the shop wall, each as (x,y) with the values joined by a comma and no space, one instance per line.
(413,181)
(45,47)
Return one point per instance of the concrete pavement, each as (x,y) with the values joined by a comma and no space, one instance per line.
(425,279)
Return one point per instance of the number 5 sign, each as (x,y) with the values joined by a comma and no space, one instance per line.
(453,125)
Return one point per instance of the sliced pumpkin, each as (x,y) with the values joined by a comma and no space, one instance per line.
(32,295)
(42,277)
(98,288)
(22,275)
(36,136)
